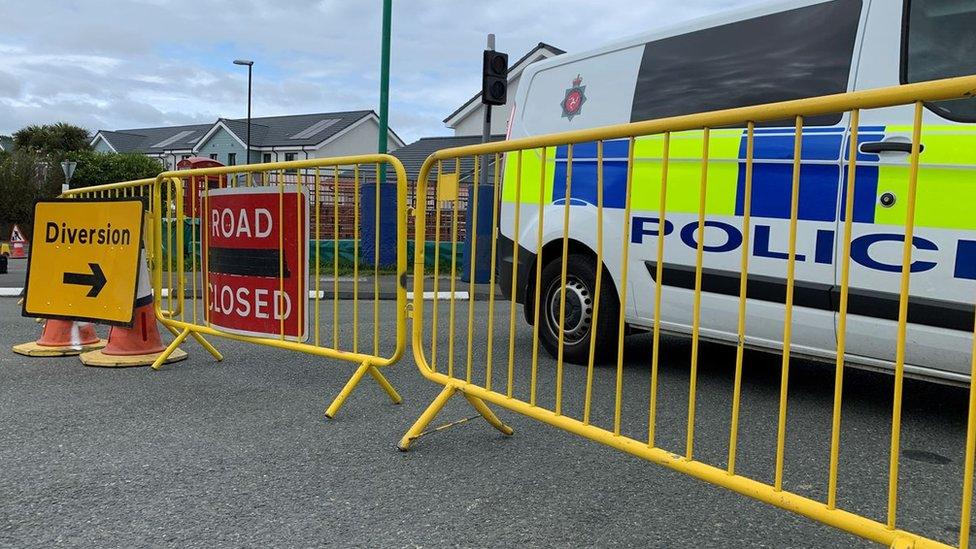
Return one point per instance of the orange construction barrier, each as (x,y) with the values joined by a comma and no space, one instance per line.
(62,338)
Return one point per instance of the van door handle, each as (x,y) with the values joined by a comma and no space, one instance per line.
(875,147)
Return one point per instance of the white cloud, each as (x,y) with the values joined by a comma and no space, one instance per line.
(109,64)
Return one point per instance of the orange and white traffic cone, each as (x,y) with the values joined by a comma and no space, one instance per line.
(139,345)
(62,338)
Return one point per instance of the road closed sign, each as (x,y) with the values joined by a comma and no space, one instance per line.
(84,263)
(256,258)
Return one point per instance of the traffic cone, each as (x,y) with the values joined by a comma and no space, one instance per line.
(139,345)
(62,338)
(18,244)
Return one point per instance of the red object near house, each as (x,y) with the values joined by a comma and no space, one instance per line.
(190,209)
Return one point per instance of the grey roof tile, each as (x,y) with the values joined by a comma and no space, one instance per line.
(266,131)
(412,156)
(143,140)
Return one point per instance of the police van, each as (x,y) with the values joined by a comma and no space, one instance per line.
(774,52)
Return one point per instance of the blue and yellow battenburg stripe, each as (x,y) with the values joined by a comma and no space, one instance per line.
(946,185)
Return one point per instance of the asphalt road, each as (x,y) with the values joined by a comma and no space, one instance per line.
(15,275)
(239,454)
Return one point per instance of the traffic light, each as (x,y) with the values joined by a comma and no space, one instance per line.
(494,79)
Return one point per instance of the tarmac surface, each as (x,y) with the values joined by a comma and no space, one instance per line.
(238,453)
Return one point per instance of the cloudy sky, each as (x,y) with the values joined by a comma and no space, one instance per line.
(114,64)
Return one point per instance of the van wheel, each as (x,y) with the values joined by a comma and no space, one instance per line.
(580,286)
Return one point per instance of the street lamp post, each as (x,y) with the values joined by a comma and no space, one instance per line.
(249,64)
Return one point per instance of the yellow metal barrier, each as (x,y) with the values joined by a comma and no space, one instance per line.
(529,180)
(332,187)
(145,189)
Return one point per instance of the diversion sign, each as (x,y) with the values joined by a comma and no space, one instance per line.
(256,259)
(84,263)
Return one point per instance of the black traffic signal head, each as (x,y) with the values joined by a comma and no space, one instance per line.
(494,79)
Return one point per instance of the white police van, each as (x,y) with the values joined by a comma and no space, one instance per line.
(775,52)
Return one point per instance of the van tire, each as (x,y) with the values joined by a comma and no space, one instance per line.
(580,286)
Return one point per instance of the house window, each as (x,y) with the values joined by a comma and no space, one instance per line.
(266,158)
(184,157)
(289,157)
(231,159)
(213,156)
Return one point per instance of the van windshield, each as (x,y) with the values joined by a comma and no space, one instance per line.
(940,42)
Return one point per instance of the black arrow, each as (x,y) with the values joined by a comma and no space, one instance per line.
(96,279)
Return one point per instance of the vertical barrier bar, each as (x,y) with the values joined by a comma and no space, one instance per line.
(335,257)
(515,270)
(624,269)
(658,287)
(437,264)
(281,255)
(562,281)
(193,245)
(454,237)
(788,312)
(970,454)
(318,251)
(491,276)
(696,307)
(845,275)
(302,253)
(355,262)
(743,286)
(376,263)
(205,246)
(170,242)
(591,360)
(181,246)
(473,259)
(906,267)
(538,278)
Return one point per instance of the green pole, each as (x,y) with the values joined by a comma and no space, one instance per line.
(385,84)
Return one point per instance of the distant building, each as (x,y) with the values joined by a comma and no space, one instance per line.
(468,119)
(273,138)
(412,156)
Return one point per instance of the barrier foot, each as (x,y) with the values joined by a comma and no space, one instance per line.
(161,359)
(385,384)
(333,408)
(425,418)
(207,345)
(201,340)
(489,416)
(417,430)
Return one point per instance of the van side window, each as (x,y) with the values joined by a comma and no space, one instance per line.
(804,52)
(938,42)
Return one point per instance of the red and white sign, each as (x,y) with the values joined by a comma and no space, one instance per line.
(18,244)
(256,258)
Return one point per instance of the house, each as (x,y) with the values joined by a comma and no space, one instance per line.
(167,144)
(468,119)
(273,138)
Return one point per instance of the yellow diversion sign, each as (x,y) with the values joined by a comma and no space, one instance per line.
(84,262)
